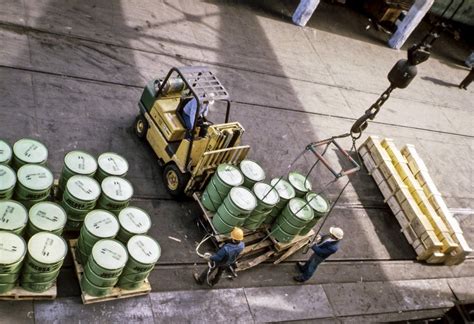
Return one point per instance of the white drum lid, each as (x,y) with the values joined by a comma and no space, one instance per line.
(252,170)
(318,203)
(12,248)
(47,216)
(7,177)
(80,162)
(30,151)
(47,248)
(264,190)
(297,180)
(113,164)
(5,152)
(300,209)
(134,220)
(109,254)
(243,198)
(230,175)
(284,188)
(144,249)
(13,215)
(116,188)
(83,188)
(101,223)
(35,177)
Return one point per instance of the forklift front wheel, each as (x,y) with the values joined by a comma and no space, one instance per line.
(141,126)
(175,180)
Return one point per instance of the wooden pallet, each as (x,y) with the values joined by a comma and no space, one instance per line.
(19,293)
(117,293)
(259,245)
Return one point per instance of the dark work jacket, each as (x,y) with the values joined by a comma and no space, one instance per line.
(326,248)
(228,254)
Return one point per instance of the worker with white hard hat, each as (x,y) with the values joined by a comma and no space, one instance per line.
(326,245)
(224,258)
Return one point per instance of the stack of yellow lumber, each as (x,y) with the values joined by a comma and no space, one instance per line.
(415,201)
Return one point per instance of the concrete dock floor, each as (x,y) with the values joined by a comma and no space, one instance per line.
(71,74)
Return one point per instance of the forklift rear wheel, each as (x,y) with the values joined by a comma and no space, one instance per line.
(141,126)
(175,180)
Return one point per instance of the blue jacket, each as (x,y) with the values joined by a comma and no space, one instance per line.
(326,248)
(228,254)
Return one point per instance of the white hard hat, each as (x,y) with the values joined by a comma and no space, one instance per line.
(336,232)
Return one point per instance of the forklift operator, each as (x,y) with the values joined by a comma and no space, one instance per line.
(224,258)
(189,110)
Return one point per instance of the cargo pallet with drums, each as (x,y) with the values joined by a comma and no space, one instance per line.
(116,293)
(19,293)
(259,245)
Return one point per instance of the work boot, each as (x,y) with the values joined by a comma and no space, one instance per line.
(298,279)
(197,279)
(300,266)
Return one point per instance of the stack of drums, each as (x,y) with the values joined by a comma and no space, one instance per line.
(98,224)
(46,253)
(226,177)
(237,206)
(116,194)
(11,260)
(103,268)
(5,153)
(294,217)
(252,172)
(46,217)
(7,182)
(13,217)
(300,183)
(133,221)
(267,198)
(286,192)
(320,208)
(143,253)
(111,164)
(33,184)
(28,151)
(79,198)
(76,163)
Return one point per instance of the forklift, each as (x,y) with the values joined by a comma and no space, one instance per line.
(188,156)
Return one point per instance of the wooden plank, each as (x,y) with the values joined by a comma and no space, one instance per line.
(19,293)
(292,250)
(241,266)
(253,248)
(117,293)
(283,246)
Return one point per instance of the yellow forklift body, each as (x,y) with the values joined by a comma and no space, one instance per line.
(164,113)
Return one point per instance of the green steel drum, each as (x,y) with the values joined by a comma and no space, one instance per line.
(320,208)
(46,253)
(111,164)
(28,151)
(224,179)
(133,221)
(294,217)
(46,217)
(99,224)
(116,194)
(143,253)
(94,290)
(286,192)
(108,258)
(5,153)
(267,198)
(13,251)
(300,183)
(252,173)
(34,183)
(7,182)
(238,204)
(13,217)
(77,163)
(82,192)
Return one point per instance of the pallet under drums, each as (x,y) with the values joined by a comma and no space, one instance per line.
(19,293)
(117,293)
(259,245)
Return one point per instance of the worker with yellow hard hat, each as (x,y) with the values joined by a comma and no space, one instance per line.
(325,246)
(224,258)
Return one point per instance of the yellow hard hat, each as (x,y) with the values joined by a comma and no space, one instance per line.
(237,234)
(336,232)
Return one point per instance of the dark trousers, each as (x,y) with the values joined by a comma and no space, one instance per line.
(310,266)
(467,80)
(218,270)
